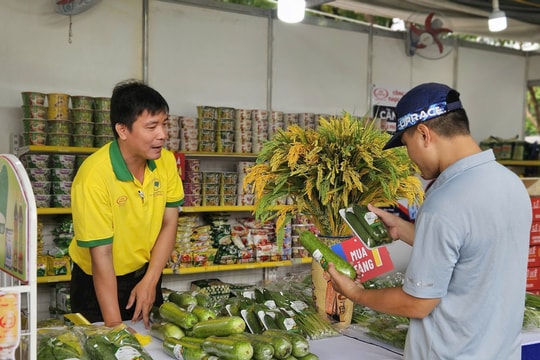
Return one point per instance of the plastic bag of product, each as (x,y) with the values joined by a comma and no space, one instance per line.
(101,343)
(58,343)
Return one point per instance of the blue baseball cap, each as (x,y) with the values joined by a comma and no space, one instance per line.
(422,103)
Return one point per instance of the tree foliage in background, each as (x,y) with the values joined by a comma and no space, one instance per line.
(532,111)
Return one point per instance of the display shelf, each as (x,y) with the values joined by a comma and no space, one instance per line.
(198,209)
(199,269)
(520,162)
(200,154)
(232,208)
(55,149)
(53,279)
(230,267)
(53,211)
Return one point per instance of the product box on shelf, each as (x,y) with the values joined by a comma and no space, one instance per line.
(534,256)
(535,203)
(535,233)
(533,278)
(58,265)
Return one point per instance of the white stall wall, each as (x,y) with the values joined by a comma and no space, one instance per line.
(534,68)
(35,53)
(493,91)
(207,57)
(315,72)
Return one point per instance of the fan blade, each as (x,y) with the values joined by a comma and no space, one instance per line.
(427,22)
(439,44)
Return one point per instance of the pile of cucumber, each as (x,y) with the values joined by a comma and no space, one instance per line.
(191,331)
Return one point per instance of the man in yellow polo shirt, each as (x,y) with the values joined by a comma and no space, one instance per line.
(125,200)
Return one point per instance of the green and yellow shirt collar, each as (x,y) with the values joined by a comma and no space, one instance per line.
(119,165)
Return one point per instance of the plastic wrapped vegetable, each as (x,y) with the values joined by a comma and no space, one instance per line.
(103,343)
(58,344)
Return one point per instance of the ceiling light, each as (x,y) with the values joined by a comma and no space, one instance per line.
(497,18)
(291,11)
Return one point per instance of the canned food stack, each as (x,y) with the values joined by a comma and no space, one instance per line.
(192,183)
(226,129)
(211,181)
(189,138)
(173,133)
(207,128)
(59,124)
(228,189)
(290,119)
(259,128)
(307,120)
(275,123)
(103,132)
(297,249)
(82,112)
(39,172)
(244,197)
(62,173)
(243,137)
(34,118)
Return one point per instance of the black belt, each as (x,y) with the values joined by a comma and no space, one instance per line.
(135,274)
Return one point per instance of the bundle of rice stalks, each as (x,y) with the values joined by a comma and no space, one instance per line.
(338,164)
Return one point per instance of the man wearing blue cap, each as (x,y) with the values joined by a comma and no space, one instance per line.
(464,287)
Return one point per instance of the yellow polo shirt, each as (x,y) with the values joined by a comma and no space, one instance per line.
(110,206)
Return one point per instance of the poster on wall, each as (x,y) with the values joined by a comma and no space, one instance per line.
(384,100)
(14,198)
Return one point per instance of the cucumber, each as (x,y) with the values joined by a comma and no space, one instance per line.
(171,312)
(356,224)
(372,224)
(202,313)
(252,320)
(324,255)
(282,346)
(183,298)
(259,297)
(228,348)
(277,297)
(166,329)
(220,326)
(203,299)
(300,345)
(235,304)
(154,315)
(261,350)
(310,356)
(176,348)
(270,322)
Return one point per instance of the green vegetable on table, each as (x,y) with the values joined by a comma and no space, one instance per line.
(324,255)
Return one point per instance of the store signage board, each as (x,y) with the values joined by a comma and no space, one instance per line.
(371,262)
(16,203)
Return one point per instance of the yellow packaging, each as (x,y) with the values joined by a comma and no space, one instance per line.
(42,265)
(58,265)
(75,319)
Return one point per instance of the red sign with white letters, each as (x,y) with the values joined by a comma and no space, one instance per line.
(371,262)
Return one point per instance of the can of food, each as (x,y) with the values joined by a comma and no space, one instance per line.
(82,102)
(33,98)
(58,100)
